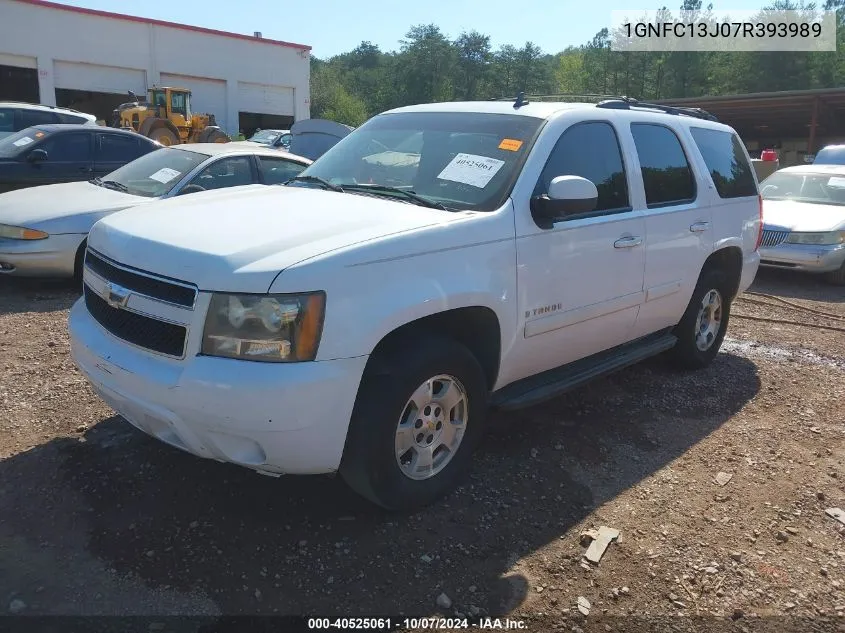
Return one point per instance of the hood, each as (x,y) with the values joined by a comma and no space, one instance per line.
(312,138)
(64,208)
(240,240)
(802,216)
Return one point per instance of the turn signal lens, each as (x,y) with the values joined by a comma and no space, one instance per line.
(20,233)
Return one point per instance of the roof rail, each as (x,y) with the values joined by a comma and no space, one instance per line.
(627,103)
(588,98)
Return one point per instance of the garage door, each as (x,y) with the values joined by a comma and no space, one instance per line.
(265,99)
(96,78)
(208,96)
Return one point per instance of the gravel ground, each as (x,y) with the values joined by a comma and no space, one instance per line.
(98,519)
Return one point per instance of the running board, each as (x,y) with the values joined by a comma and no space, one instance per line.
(552,383)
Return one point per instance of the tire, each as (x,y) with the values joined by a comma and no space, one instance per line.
(837,277)
(696,349)
(78,263)
(217,136)
(164,136)
(371,460)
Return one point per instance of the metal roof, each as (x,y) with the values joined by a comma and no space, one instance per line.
(786,114)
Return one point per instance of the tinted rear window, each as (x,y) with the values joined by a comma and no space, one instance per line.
(725,159)
(666,173)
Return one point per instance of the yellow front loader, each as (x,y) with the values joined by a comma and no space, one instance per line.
(166,117)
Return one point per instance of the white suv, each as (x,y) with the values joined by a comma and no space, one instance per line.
(15,116)
(439,260)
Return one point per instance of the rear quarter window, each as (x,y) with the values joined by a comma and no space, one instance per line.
(726,161)
(71,118)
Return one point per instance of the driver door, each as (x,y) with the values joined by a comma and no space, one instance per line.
(580,280)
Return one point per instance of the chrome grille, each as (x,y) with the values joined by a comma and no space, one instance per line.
(774,238)
(156,287)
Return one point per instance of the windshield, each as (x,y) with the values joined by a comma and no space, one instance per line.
(19,142)
(830,156)
(814,188)
(266,137)
(156,173)
(461,160)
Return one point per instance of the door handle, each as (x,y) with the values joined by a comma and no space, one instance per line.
(628,242)
(699,227)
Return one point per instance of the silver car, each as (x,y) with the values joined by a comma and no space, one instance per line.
(43,229)
(804,220)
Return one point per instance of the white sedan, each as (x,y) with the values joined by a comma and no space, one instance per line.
(804,220)
(43,230)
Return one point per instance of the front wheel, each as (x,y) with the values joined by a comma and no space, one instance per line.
(417,419)
(702,328)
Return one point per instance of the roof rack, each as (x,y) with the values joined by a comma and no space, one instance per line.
(627,103)
(587,98)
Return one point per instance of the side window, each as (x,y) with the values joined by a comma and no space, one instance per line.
(71,118)
(68,148)
(7,120)
(666,173)
(233,171)
(275,171)
(726,162)
(114,148)
(28,118)
(590,150)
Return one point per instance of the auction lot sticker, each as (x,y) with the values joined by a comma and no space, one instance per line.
(471,170)
(165,175)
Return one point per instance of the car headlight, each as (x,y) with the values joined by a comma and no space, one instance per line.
(819,239)
(274,328)
(21,233)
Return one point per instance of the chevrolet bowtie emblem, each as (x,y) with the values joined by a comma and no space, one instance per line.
(116,296)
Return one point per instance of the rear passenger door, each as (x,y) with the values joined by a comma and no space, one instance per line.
(275,171)
(679,235)
(27,118)
(114,151)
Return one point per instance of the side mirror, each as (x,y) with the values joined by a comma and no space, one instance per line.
(37,156)
(568,195)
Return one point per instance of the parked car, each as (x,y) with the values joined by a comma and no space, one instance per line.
(43,229)
(314,137)
(48,154)
(272,138)
(830,155)
(804,220)
(361,319)
(15,116)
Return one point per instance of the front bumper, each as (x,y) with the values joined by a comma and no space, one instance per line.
(53,256)
(273,418)
(806,257)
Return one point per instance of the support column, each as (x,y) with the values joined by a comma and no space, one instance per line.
(46,87)
(813,123)
(231,125)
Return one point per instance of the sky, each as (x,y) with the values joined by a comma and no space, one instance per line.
(327,26)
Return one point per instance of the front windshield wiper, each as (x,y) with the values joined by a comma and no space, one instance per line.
(113,184)
(410,195)
(326,184)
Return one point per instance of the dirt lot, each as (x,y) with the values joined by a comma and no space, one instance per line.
(96,518)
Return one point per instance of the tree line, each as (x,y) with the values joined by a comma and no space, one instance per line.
(430,66)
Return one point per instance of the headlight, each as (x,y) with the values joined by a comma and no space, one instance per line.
(819,239)
(20,233)
(275,328)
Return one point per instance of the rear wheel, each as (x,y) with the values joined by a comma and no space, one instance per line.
(702,328)
(213,136)
(164,136)
(837,276)
(417,419)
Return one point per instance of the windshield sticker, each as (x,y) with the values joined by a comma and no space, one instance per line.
(836,181)
(165,175)
(22,141)
(471,170)
(510,144)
